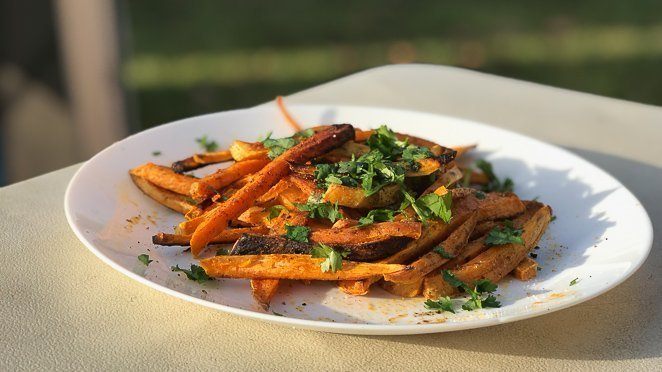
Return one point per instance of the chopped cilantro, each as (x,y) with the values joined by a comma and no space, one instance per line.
(504,235)
(574,281)
(306,133)
(481,287)
(144,258)
(552,219)
(222,252)
(156,153)
(207,144)
(494,184)
(274,211)
(480,195)
(318,209)
(297,233)
(377,215)
(196,273)
(333,258)
(429,205)
(442,252)
(450,278)
(385,163)
(443,304)
(277,146)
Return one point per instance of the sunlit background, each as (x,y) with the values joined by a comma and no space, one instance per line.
(77,75)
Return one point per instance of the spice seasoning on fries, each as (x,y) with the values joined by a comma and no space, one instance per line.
(357,207)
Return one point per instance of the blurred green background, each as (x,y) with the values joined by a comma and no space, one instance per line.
(182,60)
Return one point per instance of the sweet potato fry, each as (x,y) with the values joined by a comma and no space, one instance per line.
(227,236)
(483,228)
(208,185)
(174,201)
(496,262)
(164,177)
(316,145)
(412,289)
(241,150)
(376,231)
(200,160)
(527,269)
(433,260)
(263,291)
(274,191)
(354,197)
(288,118)
(494,205)
(362,135)
(289,266)
(461,150)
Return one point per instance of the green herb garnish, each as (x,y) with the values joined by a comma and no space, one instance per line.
(377,215)
(274,211)
(277,146)
(429,205)
(144,258)
(318,209)
(207,144)
(505,234)
(442,252)
(196,273)
(297,233)
(494,184)
(222,252)
(156,153)
(443,304)
(333,258)
(574,281)
(481,288)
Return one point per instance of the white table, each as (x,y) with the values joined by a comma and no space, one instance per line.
(62,308)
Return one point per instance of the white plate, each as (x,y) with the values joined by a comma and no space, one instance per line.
(602,233)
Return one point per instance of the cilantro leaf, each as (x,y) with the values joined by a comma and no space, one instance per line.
(274,211)
(494,184)
(297,233)
(278,146)
(318,209)
(383,140)
(207,144)
(196,273)
(442,252)
(491,301)
(504,235)
(574,281)
(156,153)
(450,278)
(333,258)
(485,286)
(376,215)
(430,205)
(144,258)
(306,133)
(443,304)
(412,153)
(476,300)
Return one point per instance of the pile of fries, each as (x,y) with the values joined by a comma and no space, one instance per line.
(356,207)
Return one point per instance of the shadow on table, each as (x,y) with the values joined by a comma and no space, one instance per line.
(624,323)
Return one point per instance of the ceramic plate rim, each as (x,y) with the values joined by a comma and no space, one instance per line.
(352,328)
